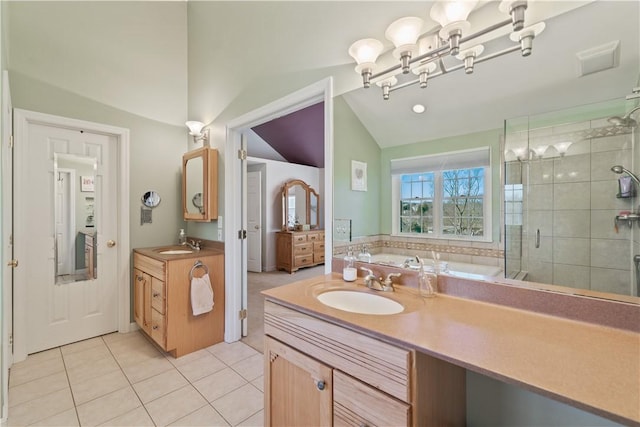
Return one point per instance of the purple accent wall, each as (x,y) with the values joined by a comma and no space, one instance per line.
(298,137)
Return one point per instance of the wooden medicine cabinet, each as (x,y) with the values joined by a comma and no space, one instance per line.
(200,184)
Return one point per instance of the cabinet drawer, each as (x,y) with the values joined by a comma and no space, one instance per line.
(382,365)
(302,260)
(355,403)
(149,265)
(299,238)
(303,249)
(318,246)
(158,295)
(318,257)
(313,237)
(158,328)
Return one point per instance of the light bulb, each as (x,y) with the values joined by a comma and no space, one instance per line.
(195,127)
(366,50)
(446,12)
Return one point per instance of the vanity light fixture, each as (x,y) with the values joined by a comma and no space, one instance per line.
(195,130)
(424,53)
(562,147)
(540,150)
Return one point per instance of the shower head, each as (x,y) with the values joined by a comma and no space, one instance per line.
(625,120)
(621,169)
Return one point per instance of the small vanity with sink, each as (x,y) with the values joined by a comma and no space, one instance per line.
(339,353)
(162,303)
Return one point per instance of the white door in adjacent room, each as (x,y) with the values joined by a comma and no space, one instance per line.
(254,221)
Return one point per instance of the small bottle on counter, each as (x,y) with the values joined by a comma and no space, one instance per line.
(182,238)
(349,272)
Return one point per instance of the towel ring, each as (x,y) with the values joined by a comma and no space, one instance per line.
(198,264)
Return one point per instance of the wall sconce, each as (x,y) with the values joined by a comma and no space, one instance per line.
(195,130)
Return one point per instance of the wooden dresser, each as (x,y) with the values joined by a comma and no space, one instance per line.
(298,249)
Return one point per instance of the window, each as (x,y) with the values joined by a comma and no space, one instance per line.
(443,196)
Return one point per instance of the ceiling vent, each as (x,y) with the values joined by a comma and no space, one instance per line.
(599,58)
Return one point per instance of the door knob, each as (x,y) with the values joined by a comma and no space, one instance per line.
(111,243)
(13,263)
(257,227)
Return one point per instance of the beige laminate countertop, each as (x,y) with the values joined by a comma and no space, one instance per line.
(589,366)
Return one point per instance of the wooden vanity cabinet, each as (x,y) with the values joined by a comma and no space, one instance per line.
(162,303)
(300,387)
(372,382)
(299,249)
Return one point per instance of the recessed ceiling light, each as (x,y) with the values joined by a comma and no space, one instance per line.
(418,108)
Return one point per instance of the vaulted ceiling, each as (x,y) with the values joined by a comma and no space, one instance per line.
(503,88)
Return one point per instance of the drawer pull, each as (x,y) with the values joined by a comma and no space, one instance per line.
(140,278)
(154,327)
(321,385)
(156,294)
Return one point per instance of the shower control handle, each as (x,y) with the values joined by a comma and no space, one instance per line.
(537,238)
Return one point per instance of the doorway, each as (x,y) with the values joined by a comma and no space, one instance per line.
(61,312)
(236,176)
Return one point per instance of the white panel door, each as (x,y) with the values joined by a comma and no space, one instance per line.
(63,313)
(254,222)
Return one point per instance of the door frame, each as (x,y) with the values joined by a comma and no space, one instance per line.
(22,119)
(235,248)
(6,320)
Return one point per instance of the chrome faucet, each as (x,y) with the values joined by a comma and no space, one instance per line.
(407,262)
(376,283)
(194,245)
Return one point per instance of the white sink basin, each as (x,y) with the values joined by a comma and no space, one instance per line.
(176,252)
(360,302)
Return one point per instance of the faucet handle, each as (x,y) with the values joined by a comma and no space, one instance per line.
(390,276)
(369,271)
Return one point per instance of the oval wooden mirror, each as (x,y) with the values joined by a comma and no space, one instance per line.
(300,206)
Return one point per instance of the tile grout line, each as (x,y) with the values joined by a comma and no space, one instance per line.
(130,385)
(73,398)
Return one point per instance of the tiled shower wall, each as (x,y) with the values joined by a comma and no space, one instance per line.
(572,201)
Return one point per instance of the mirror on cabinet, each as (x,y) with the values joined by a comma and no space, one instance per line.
(200,184)
(300,204)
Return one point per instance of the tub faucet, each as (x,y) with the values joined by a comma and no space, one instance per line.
(194,245)
(376,283)
(407,262)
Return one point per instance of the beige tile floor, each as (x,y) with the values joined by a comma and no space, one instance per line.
(123,380)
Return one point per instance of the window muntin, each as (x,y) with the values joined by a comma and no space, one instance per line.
(416,203)
(449,204)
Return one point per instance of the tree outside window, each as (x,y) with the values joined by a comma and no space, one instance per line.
(463,202)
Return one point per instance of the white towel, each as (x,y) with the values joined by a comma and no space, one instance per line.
(201,295)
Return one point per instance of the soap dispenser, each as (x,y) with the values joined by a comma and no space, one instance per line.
(349,272)
(426,281)
(364,255)
(182,238)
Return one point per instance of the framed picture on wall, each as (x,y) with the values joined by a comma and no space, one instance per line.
(86,184)
(358,176)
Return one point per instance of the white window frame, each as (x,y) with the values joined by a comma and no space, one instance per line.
(412,166)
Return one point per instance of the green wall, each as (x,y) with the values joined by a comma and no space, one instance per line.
(155,153)
(455,143)
(352,141)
